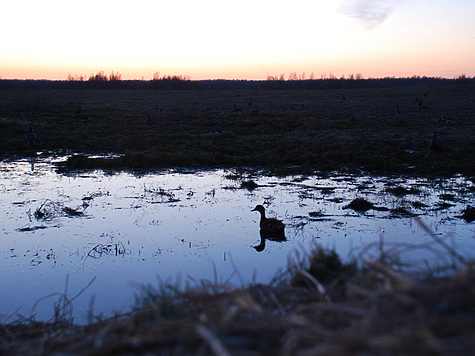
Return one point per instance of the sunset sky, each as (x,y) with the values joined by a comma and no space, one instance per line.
(210,39)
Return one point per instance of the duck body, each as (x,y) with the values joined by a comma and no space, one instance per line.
(435,145)
(31,137)
(269,225)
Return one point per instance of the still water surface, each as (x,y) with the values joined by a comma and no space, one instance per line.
(125,230)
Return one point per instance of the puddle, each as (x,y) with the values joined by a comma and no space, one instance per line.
(62,231)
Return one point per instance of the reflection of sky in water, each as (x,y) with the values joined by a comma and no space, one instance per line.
(181,223)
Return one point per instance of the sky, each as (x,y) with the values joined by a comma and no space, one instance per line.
(245,39)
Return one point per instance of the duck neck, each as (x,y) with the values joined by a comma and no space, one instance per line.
(263,216)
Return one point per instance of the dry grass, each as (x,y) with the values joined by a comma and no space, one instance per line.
(325,307)
(327,133)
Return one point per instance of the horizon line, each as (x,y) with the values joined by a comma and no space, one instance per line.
(268,79)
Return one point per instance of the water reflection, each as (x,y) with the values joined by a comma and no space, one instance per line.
(123,229)
(278,236)
(32,161)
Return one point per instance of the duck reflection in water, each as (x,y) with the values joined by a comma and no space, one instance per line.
(265,235)
(32,161)
(270,229)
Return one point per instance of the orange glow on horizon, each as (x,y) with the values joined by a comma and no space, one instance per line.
(218,40)
(379,69)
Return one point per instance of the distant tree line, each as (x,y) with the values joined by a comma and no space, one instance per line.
(100,80)
(295,76)
(98,77)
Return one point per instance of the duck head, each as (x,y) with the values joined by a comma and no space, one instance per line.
(259,208)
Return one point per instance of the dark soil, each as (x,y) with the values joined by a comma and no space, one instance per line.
(300,130)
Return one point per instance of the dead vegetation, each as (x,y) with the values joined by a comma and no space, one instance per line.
(323,306)
(468,214)
(361,205)
(49,210)
(167,128)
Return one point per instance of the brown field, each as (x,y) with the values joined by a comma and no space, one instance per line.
(307,130)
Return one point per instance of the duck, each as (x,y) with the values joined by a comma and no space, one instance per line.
(269,225)
(31,137)
(217,130)
(150,121)
(435,145)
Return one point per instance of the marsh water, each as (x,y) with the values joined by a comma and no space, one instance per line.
(123,230)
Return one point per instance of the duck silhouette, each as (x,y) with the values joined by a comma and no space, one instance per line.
(31,137)
(271,236)
(435,145)
(217,130)
(269,225)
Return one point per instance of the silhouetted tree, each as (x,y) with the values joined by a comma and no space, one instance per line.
(99,77)
(76,78)
(292,76)
(116,76)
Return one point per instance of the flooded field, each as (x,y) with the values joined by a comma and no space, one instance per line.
(123,230)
